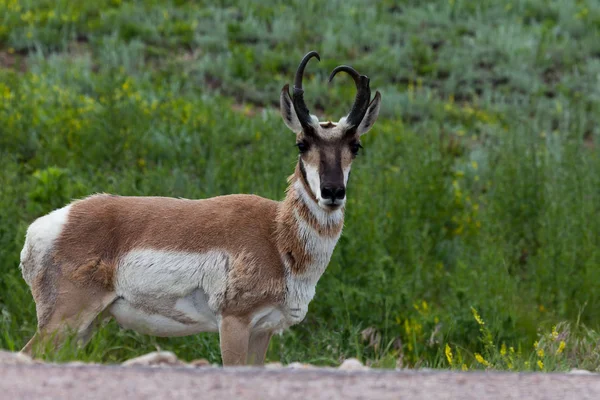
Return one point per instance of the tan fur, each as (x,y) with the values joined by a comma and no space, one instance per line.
(234,337)
(77,282)
(287,238)
(265,257)
(74,308)
(103,228)
(251,285)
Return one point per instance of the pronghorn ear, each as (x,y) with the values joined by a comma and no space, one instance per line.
(370,116)
(288,113)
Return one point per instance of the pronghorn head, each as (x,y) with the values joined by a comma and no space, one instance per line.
(327,148)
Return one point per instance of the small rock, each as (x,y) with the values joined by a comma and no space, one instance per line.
(201,362)
(274,365)
(352,364)
(156,358)
(576,371)
(78,364)
(298,365)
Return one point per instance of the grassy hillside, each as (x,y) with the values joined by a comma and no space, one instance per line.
(472,237)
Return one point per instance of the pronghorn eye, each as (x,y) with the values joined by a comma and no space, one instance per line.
(302,147)
(354,147)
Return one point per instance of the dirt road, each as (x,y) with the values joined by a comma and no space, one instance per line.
(132,383)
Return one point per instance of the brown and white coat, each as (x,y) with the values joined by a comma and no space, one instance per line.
(240,265)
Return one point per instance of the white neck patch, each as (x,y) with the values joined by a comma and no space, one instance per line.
(301,287)
(323,217)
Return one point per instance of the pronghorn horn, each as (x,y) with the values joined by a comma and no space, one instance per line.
(363,94)
(298,95)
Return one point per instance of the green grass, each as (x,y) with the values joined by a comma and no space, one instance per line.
(478,188)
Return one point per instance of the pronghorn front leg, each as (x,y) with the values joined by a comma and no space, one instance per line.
(234,334)
(257,347)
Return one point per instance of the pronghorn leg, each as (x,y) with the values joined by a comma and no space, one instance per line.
(74,309)
(257,347)
(234,334)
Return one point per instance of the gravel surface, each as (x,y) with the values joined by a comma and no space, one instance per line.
(38,381)
(161,375)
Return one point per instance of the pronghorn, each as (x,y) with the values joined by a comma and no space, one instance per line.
(240,265)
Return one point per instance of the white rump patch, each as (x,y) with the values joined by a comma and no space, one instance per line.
(40,238)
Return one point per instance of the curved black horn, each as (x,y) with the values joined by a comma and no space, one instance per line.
(298,95)
(363,94)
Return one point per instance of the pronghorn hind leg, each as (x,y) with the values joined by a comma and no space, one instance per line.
(28,348)
(257,347)
(75,309)
(234,335)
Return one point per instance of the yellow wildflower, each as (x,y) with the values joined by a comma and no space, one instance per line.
(540,353)
(448,352)
(477,316)
(481,360)
(503,349)
(554,332)
(464,367)
(561,347)
(540,364)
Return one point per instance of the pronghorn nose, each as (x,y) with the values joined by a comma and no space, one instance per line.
(333,193)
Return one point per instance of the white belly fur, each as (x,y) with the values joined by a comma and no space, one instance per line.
(159,317)
(168,293)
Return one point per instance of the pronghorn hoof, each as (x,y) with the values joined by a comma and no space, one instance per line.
(9,358)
